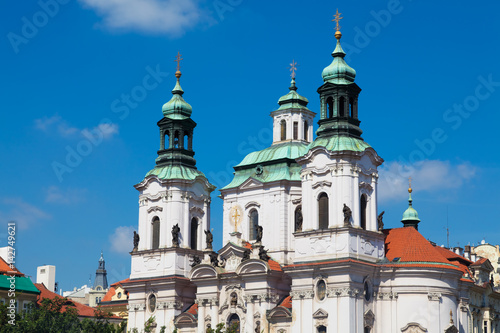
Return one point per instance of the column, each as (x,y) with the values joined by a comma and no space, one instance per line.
(185,222)
(355,196)
(373,205)
(201,315)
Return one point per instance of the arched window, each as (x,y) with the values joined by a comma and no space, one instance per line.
(185,141)
(233,323)
(295,130)
(367,330)
(321,329)
(253,223)
(176,139)
(306,131)
(329,104)
(194,234)
(362,213)
(351,107)
(323,211)
(156,233)
(283,130)
(298,218)
(342,106)
(166,140)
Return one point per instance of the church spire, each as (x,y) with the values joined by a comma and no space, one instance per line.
(410,216)
(339,95)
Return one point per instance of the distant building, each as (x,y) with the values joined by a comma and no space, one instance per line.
(25,291)
(80,295)
(47,275)
(492,253)
(116,300)
(100,287)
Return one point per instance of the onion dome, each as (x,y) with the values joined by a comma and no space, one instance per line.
(338,72)
(410,216)
(177,107)
(293,100)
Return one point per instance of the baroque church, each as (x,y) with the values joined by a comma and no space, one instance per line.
(304,246)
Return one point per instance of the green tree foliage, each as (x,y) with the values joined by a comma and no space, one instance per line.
(57,315)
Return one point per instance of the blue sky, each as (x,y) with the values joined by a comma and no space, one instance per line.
(431,92)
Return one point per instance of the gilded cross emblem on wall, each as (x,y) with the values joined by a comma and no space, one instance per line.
(235,216)
(337,20)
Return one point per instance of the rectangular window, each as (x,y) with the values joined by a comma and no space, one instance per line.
(295,130)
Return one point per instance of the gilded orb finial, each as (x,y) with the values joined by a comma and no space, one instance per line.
(293,68)
(409,182)
(178,60)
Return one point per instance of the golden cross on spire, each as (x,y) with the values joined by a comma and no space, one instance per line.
(337,19)
(293,68)
(178,60)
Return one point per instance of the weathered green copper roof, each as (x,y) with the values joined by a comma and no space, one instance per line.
(175,172)
(293,100)
(410,214)
(338,72)
(290,150)
(270,173)
(271,164)
(177,107)
(23,284)
(340,143)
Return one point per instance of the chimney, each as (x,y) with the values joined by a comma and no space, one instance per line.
(458,250)
(467,251)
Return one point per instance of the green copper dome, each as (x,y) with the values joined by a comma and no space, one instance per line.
(338,72)
(410,216)
(177,107)
(293,100)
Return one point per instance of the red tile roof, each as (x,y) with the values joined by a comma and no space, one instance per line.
(82,310)
(410,246)
(193,309)
(287,302)
(450,255)
(247,245)
(274,266)
(112,290)
(480,262)
(5,269)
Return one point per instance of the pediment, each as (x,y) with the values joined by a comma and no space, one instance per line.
(185,320)
(203,271)
(231,249)
(451,329)
(252,266)
(280,312)
(413,328)
(320,314)
(250,183)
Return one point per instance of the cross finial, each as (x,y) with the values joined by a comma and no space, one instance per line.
(293,68)
(337,19)
(178,60)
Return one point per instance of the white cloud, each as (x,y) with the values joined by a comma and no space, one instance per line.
(21,212)
(67,196)
(122,240)
(171,17)
(428,175)
(56,124)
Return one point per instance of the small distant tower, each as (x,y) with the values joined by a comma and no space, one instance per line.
(47,275)
(100,284)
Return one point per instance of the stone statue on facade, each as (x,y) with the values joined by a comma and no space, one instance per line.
(246,255)
(380,221)
(209,239)
(260,233)
(196,261)
(214,260)
(263,254)
(175,235)
(136,241)
(347,215)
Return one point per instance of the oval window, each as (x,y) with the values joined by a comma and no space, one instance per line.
(321,290)
(152,303)
(120,294)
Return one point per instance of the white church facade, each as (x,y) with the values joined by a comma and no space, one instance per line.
(304,247)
